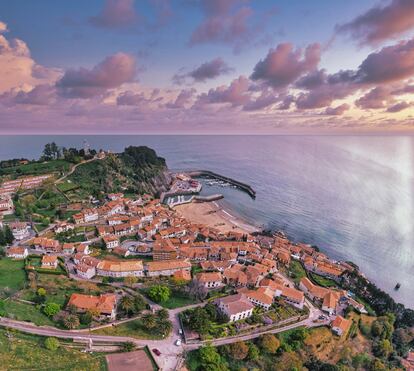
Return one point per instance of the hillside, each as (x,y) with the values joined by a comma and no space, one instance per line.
(136,170)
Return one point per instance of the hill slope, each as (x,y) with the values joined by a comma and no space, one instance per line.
(136,170)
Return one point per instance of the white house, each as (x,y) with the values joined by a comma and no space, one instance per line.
(85,271)
(20,230)
(111,242)
(210,279)
(17,252)
(120,268)
(236,307)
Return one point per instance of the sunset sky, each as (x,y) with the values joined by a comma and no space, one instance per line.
(206,66)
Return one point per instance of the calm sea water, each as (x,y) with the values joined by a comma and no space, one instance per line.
(351,196)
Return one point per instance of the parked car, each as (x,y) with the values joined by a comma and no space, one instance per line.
(178,342)
(180,332)
(156,351)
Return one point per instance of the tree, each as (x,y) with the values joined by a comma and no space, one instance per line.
(149,321)
(238,350)
(41,291)
(127,305)
(71,321)
(86,318)
(51,343)
(128,346)
(210,359)
(163,327)
(2,238)
(51,309)
(130,280)
(162,314)
(197,290)
(159,293)
(383,348)
(2,308)
(139,303)
(288,361)
(199,320)
(254,352)
(269,343)
(8,235)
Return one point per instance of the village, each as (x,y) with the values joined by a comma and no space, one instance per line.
(125,260)
(126,229)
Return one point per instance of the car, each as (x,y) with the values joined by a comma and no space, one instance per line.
(180,332)
(178,342)
(156,351)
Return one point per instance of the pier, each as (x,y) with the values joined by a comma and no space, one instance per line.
(211,174)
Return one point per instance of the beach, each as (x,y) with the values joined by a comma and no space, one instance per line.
(212,214)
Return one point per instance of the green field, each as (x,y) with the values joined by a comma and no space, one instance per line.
(297,272)
(12,274)
(134,329)
(322,281)
(67,186)
(26,312)
(36,168)
(20,351)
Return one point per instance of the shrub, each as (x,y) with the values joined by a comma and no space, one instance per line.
(159,293)
(51,343)
(269,343)
(51,309)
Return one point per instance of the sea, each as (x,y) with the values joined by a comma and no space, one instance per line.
(352,196)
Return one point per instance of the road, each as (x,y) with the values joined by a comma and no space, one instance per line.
(170,353)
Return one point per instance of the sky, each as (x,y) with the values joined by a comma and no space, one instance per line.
(206,66)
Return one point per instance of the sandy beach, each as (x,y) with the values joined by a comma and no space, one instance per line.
(213,215)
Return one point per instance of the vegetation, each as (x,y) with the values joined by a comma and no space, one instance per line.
(20,351)
(12,274)
(137,168)
(159,293)
(322,281)
(52,343)
(296,271)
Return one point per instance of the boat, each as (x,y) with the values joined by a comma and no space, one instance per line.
(397,286)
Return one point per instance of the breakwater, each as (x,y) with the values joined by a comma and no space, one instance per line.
(210,198)
(212,175)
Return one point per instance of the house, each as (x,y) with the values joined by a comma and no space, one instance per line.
(111,242)
(164,250)
(120,268)
(44,243)
(236,307)
(20,230)
(68,248)
(314,292)
(340,326)
(85,271)
(330,301)
(408,362)
(115,196)
(166,267)
(90,215)
(262,297)
(210,279)
(83,248)
(49,261)
(121,251)
(234,276)
(17,252)
(63,227)
(6,206)
(78,218)
(182,275)
(104,304)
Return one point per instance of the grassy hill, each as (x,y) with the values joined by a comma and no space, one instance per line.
(136,170)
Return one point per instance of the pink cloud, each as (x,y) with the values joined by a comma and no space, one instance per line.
(116,14)
(237,93)
(284,65)
(376,98)
(381,23)
(226,21)
(400,106)
(336,111)
(206,71)
(110,73)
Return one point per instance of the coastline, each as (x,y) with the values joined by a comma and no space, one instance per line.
(213,214)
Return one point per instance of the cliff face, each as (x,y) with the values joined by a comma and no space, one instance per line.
(136,170)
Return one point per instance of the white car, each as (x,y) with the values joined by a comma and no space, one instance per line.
(178,342)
